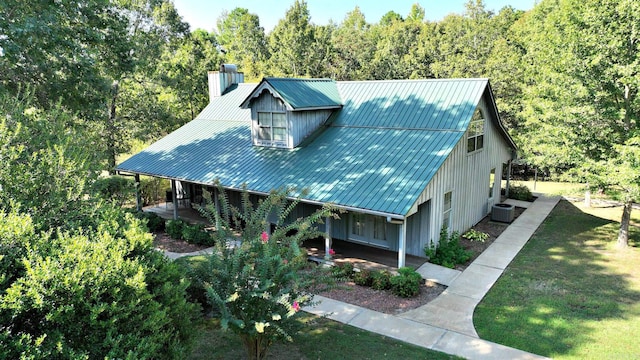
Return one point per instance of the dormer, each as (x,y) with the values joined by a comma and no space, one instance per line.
(286,111)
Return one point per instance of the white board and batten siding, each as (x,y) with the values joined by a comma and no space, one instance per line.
(300,124)
(466,175)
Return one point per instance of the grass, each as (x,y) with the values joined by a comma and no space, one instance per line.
(323,339)
(569,294)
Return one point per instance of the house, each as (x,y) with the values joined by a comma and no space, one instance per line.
(403,158)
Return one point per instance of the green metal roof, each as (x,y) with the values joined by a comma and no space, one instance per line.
(301,93)
(378,154)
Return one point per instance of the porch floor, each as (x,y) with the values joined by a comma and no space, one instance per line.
(361,256)
(186,213)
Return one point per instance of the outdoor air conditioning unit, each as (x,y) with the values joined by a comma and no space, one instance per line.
(503,213)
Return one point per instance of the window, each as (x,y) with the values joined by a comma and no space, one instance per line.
(446,213)
(492,181)
(379,228)
(357,224)
(272,128)
(368,229)
(475,135)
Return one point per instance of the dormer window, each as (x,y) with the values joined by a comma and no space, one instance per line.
(272,129)
(286,111)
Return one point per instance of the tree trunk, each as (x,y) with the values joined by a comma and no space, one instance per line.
(256,346)
(623,234)
(111,129)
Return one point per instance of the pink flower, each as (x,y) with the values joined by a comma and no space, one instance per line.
(295,306)
(264,237)
(332,252)
(285,261)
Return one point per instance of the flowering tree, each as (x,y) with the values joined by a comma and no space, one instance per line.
(258,280)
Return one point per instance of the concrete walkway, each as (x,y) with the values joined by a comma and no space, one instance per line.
(446,323)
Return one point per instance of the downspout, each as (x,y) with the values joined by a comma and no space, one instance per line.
(506,192)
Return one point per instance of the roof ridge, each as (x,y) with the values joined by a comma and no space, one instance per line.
(411,80)
(298,79)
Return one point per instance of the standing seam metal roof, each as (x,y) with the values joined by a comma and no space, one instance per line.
(378,154)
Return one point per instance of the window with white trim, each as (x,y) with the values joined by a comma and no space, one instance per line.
(475,135)
(272,128)
(446,212)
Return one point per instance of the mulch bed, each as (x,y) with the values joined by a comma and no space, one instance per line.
(163,241)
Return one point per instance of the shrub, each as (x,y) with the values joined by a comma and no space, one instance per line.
(118,189)
(196,234)
(153,190)
(94,294)
(520,192)
(175,228)
(342,271)
(448,252)
(154,222)
(406,283)
(381,280)
(475,235)
(362,277)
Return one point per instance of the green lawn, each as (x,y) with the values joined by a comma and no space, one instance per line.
(322,339)
(569,294)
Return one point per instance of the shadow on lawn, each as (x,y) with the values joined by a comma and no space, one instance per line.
(566,279)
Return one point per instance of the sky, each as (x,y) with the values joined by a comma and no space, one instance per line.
(205,13)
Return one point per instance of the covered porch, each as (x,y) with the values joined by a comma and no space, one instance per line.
(166,211)
(361,256)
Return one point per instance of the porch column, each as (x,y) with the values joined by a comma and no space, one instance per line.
(327,239)
(506,192)
(138,198)
(216,203)
(402,243)
(174,199)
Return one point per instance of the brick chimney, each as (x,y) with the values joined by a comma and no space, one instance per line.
(219,81)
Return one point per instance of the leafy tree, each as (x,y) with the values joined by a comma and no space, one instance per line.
(183,70)
(353,47)
(400,53)
(81,54)
(584,91)
(47,168)
(150,27)
(291,41)
(256,280)
(243,41)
